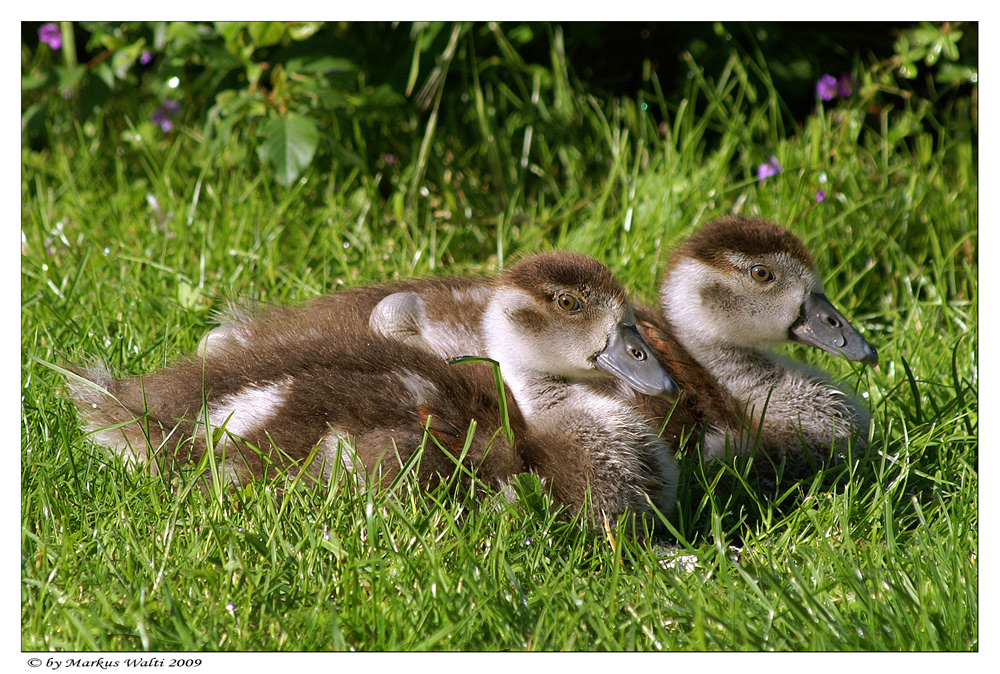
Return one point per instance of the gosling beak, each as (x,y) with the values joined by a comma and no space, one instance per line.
(630,359)
(822,326)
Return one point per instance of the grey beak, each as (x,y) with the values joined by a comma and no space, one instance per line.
(822,326)
(630,359)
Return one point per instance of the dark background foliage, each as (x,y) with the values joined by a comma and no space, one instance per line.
(432,109)
(609,59)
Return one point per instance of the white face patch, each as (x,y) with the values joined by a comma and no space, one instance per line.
(557,347)
(715,307)
(501,335)
(680,298)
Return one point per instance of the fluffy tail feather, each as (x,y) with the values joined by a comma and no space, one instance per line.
(138,419)
(108,421)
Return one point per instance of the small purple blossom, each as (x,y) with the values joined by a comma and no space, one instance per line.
(771,168)
(830,87)
(165,113)
(820,196)
(50,34)
(145,57)
(826,88)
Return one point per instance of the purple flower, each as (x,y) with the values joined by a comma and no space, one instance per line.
(829,87)
(145,57)
(165,113)
(845,86)
(820,196)
(771,168)
(50,34)
(826,88)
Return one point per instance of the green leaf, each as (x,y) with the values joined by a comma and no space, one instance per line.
(70,78)
(33,120)
(267,33)
(36,80)
(329,98)
(123,59)
(230,32)
(304,30)
(907,68)
(950,44)
(933,53)
(521,34)
(110,41)
(232,102)
(188,296)
(103,72)
(320,64)
(383,96)
(182,35)
(289,144)
(950,73)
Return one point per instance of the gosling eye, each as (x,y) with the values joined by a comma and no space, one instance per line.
(761,273)
(569,303)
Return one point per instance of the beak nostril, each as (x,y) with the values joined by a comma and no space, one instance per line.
(833,321)
(638,354)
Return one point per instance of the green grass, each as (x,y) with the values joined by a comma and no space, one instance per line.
(880,554)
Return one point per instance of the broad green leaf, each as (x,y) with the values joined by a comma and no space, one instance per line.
(230,31)
(266,33)
(69,78)
(181,34)
(188,296)
(289,144)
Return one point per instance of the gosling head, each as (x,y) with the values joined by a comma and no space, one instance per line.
(564,315)
(747,283)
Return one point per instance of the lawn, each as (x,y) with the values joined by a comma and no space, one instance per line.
(132,236)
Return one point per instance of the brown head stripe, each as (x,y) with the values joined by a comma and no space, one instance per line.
(750,236)
(539,272)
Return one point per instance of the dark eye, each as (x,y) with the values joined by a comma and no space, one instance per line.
(568,303)
(761,274)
